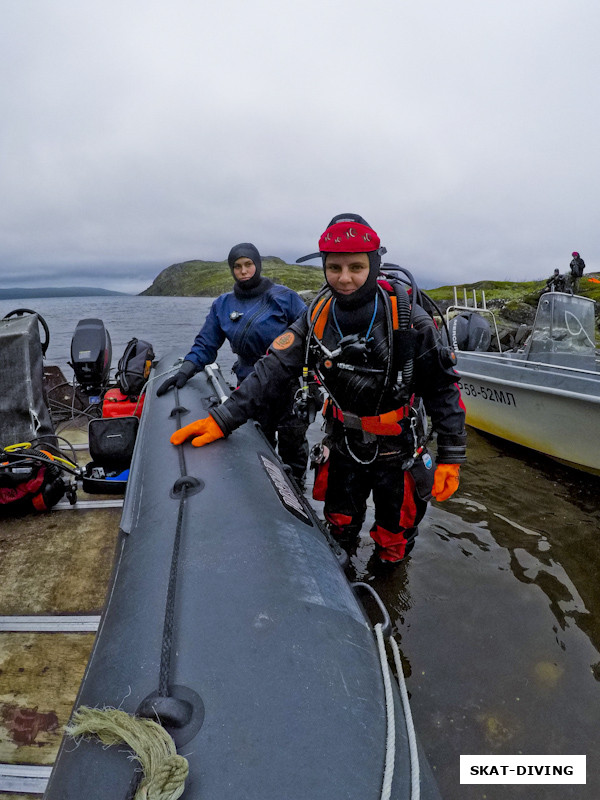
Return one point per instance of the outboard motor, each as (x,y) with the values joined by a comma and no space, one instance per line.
(91,355)
(469,331)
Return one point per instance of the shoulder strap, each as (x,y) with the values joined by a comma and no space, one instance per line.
(320,315)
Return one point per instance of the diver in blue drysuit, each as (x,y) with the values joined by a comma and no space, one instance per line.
(250,317)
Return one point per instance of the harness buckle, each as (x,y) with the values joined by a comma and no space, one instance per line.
(352,421)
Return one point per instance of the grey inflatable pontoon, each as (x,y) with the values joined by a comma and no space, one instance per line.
(230,616)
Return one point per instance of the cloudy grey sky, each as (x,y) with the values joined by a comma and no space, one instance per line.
(137,133)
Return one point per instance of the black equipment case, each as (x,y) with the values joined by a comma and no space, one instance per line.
(111,443)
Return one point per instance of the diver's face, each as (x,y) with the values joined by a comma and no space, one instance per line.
(243,268)
(346,272)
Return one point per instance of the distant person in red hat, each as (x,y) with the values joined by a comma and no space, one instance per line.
(379,356)
(577,266)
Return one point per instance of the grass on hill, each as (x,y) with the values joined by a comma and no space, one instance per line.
(507,291)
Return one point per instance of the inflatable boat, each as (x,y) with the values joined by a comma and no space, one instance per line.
(230,621)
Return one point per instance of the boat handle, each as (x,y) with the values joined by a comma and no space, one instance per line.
(386,625)
(210,370)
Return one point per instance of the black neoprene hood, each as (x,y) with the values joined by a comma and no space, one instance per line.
(246,250)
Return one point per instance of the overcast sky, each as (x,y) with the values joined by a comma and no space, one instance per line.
(137,134)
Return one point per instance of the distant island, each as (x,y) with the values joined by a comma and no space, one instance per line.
(62,291)
(212,278)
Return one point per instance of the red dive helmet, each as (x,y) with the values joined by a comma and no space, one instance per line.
(349,233)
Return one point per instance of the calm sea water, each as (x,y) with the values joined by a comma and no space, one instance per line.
(497,611)
(164,321)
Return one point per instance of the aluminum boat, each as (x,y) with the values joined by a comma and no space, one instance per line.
(544,395)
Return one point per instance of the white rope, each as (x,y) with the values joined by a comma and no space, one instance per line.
(390,749)
(415,780)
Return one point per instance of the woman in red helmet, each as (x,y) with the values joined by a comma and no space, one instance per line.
(381,361)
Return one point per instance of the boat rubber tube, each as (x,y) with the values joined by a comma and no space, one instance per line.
(228,610)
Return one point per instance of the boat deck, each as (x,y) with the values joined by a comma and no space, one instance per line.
(54,572)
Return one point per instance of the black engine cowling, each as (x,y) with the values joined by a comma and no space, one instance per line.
(469,331)
(91,354)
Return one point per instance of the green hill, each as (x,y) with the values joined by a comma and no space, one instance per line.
(212,278)
(501,293)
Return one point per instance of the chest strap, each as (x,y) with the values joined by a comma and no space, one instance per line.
(387,424)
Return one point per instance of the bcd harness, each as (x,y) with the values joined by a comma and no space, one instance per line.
(398,373)
(32,478)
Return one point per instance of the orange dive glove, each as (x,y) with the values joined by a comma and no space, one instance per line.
(205,431)
(445,481)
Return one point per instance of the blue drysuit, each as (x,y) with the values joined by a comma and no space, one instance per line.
(251,321)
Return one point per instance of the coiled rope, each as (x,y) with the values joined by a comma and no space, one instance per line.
(388,772)
(165,772)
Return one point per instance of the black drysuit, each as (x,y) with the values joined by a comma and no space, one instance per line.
(358,383)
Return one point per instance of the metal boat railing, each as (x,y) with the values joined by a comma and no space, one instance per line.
(483,309)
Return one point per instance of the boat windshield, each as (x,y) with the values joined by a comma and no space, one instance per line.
(564,331)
